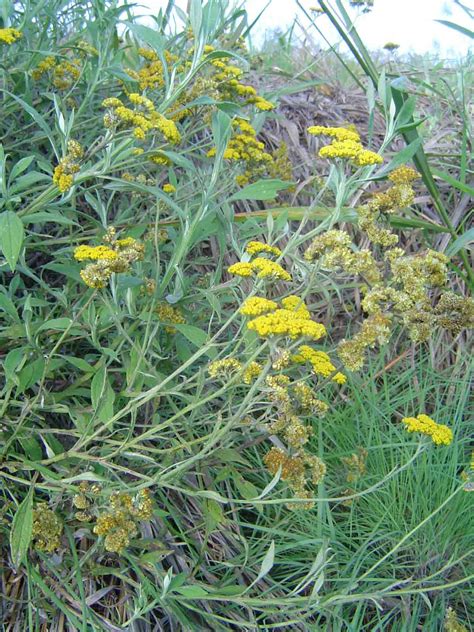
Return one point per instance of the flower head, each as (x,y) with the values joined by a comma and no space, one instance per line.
(9,35)
(439,433)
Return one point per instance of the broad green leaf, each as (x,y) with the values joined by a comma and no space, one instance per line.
(81,364)
(195,335)
(12,234)
(8,306)
(31,448)
(403,156)
(261,190)
(461,242)
(31,373)
(106,407)
(246,489)
(192,592)
(98,386)
(21,530)
(59,324)
(12,362)
(45,217)
(25,182)
(453,182)
(19,167)
(457,27)
(213,514)
(148,35)
(267,562)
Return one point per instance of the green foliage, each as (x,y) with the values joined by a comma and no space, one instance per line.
(106,392)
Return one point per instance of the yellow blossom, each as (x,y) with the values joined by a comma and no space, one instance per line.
(266,268)
(284,322)
(81,253)
(320,362)
(252,371)
(338,133)
(241,269)
(256,305)
(224,368)
(439,433)
(9,35)
(256,247)
(170,314)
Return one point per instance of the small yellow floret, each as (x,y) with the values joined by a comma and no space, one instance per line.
(169,188)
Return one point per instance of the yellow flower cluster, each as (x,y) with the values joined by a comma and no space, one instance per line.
(454,312)
(224,369)
(64,73)
(403,290)
(439,433)
(169,314)
(346,144)
(296,469)
(151,74)
(292,319)
(452,623)
(257,305)
(63,176)
(397,197)
(94,253)
(244,146)
(256,247)
(160,159)
(340,134)
(375,329)
(83,501)
(87,49)
(320,363)
(307,402)
(116,256)
(9,35)
(333,249)
(356,465)
(47,529)
(227,78)
(262,268)
(287,318)
(120,525)
(169,188)
(284,322)
(143,118)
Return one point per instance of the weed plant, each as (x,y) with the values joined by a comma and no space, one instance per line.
(231,397)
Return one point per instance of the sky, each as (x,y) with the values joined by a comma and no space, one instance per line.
(409,23)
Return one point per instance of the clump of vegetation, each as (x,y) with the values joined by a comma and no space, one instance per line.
(234,383)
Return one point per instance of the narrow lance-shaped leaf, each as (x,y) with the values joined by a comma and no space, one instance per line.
(12,234)
(22,530)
